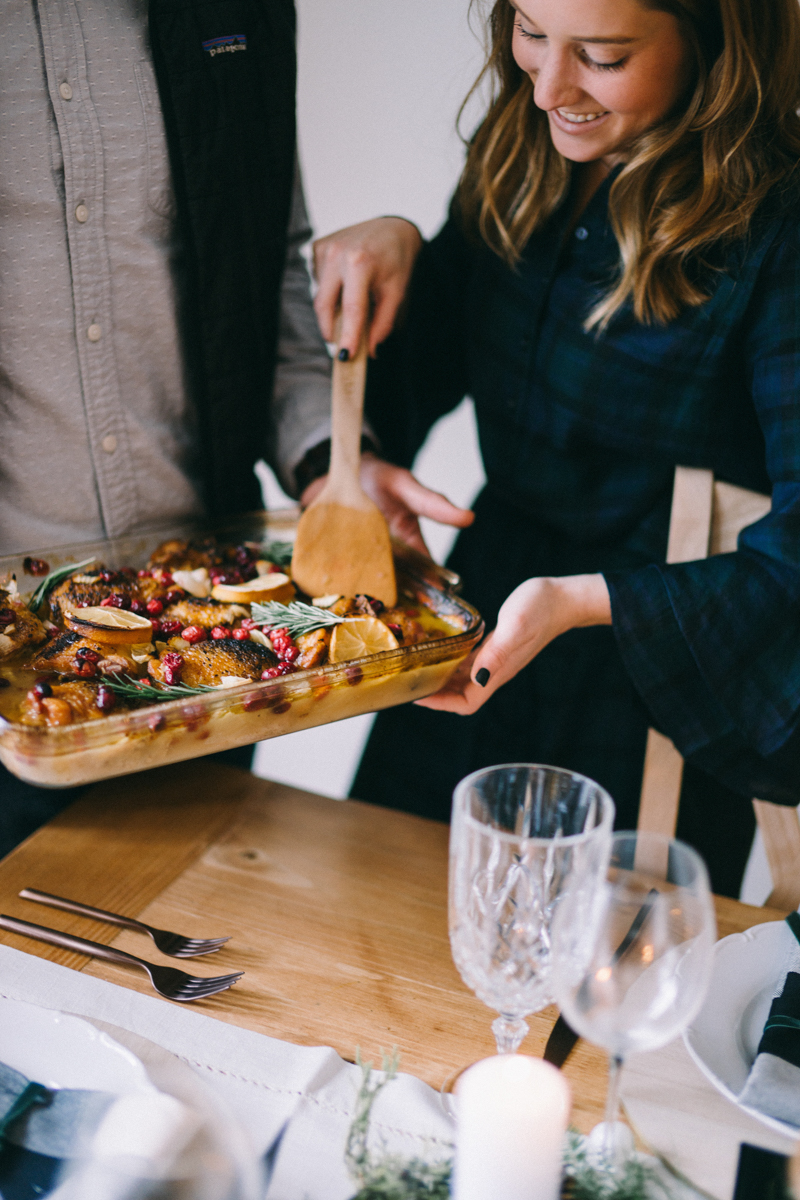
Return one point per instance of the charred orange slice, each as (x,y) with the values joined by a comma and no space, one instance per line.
(359,637)
(111,626)
(265,587)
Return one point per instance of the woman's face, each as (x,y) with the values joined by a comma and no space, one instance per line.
(604,71)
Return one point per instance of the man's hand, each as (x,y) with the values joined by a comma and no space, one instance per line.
(364,266)
(534,614)
(402,499)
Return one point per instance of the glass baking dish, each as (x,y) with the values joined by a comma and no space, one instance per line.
(125,742)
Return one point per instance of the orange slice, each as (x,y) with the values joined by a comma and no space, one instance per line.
(265,587)
(111,626)
(359,637)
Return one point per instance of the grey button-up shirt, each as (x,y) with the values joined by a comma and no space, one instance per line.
(97,433)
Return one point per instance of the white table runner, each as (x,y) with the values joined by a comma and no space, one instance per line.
(263,1080)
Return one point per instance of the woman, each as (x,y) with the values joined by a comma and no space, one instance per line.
(617,289)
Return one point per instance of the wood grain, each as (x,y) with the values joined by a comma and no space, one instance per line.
(337,913)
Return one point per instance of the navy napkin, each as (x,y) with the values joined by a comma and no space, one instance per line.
(773,1085)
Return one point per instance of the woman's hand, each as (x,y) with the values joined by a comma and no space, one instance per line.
(402,499)
(365,265)
(535,613)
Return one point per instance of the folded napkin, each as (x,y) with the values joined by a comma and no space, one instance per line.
(773,1085)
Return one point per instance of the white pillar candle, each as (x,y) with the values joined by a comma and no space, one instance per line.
(512,1113)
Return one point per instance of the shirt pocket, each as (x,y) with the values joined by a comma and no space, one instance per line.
(160,196)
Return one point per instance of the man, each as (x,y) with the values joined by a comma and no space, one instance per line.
(156,329)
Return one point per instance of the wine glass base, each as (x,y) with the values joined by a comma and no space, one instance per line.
(509,1034)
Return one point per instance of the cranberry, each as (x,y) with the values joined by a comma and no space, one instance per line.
(274,569)
(109,576)
(173,596)
(281,708)
(154,607)
(35,566)
(127,573)
(144,575)
(218,632)
(287,668)
(42,689)
(163,577)
(396,630)
(106,699)
(231,575)
(241,635)
(138,606)
(194,633)
(88,655)
(7,617)
(170,628)
(156,722)
(280,632)
(86,670)
(115,600)
(290,654)
(368,604)
(249,623)
(271,673)
(354,675)
(171,665)
(242,556)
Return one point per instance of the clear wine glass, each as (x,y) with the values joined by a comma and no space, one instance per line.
(632,968)
(522,838)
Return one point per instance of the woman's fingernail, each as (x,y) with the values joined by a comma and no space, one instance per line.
(482,677)
(344,354)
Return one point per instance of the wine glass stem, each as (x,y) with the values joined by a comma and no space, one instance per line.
(508,1034)
(612,1108)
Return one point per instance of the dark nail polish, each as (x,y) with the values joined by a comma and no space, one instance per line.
(482,677)
(344,354)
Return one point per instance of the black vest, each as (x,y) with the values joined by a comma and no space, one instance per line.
(226,72)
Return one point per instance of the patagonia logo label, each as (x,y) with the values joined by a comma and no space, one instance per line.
(225,45)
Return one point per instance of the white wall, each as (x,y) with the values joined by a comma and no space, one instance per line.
(380,85)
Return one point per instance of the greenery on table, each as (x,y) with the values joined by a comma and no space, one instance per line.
(392,1177)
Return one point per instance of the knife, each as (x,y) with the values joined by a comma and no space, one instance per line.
(563,1037)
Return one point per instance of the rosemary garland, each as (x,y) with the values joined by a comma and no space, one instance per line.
(296,617)
(132,689)
(52,580)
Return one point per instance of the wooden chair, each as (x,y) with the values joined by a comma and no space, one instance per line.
(707,517)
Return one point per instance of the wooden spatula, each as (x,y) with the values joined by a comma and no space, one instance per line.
(343,544)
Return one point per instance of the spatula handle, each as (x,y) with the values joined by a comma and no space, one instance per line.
(347,412)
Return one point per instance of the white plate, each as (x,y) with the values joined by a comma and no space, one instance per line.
(61,1051)
(724,1036)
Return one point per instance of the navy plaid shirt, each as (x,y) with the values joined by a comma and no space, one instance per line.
(582,433)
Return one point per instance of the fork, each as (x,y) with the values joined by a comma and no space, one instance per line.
(172,944)
(169,982)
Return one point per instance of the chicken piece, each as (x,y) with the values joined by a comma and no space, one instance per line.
(70,702)
(84,590)
(345,606)
(410,628)
(63,653)
(205,663)
(18,626)
(176,555)
(206,613)
(313,648)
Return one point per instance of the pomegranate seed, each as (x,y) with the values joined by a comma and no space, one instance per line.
(173,596)
(154,607)
(105,699)
(271,673)
(396,630)
(170,628)
(113,601)
(172,665)
(217,633)
(138,606)
(42,688)
(193,634)
(241,635)
(35,566)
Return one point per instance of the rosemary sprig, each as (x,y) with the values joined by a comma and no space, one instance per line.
(52,580)
(297,617)
(124,685)
(279,553)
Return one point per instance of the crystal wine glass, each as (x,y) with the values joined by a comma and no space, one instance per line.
(632,969)
(522,838)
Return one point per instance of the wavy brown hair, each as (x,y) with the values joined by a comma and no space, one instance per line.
(689,185)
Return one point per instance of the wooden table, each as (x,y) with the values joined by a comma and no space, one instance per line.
(337,912)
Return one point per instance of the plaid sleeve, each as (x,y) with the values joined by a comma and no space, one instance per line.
(713,646)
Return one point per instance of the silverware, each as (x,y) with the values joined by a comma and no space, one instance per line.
(173,944)
(563,1037)
(168,981)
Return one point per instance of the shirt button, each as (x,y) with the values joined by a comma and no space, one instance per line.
(94,333)
(65,91)
(81,213)
(581,233)
(109,444)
